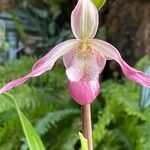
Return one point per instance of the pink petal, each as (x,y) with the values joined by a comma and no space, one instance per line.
(44,64)
(13,84)
(47,62)
(84,92)
(101,61)
(86,67)
(84,20)
(110,52)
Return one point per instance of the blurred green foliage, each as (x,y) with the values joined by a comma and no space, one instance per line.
(33,139)
(49,107)
(47,19)
(118,121)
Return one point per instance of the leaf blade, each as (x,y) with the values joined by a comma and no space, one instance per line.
(84,142)
(33,139)
(99,3)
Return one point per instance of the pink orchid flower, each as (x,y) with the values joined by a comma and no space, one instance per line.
(83,57)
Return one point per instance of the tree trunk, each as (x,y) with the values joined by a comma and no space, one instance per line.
(128,27)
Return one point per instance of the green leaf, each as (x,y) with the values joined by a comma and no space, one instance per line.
(84,143)
(99,3)
(32,137)
(19,26)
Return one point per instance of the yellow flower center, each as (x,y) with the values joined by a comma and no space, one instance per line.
(84,50)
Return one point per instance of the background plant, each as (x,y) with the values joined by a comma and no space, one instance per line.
(118,120)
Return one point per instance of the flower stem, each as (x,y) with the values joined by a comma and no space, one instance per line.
(87,125)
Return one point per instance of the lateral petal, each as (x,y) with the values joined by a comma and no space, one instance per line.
(44,64)
(47,62)
(84,20)
(110,52)
(84,92)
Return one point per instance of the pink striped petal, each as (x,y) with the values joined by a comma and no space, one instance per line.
(44,64)
(13,84)
(84,92)
(84,20)
(110,52)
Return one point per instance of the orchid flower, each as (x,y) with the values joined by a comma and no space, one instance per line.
(83,57)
